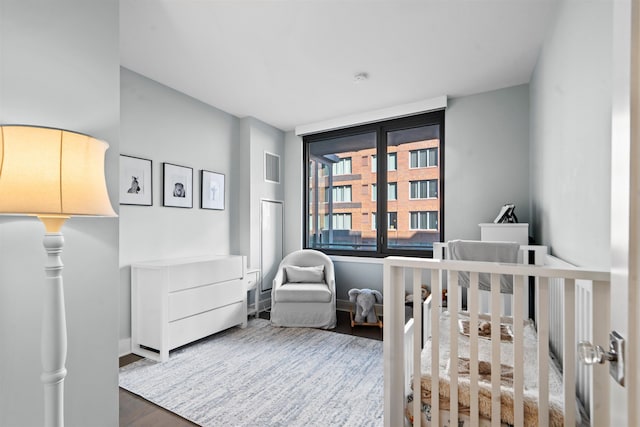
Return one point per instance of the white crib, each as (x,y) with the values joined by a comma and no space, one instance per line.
(528,254)
(403,357)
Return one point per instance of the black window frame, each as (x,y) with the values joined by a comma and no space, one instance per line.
(381,128)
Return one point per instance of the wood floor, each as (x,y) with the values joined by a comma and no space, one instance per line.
(138,412)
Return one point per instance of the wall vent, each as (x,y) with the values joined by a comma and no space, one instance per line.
(271,167)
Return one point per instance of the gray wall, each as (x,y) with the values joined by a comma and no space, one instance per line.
(164,125)
(486,159)
(258,138)
(293,192)
(486,165)
(571,133)
(60,65)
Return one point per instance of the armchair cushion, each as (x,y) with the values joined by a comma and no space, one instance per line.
(297,274)
(304,292)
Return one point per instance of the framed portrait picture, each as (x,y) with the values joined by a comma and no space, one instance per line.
(177,186)
(212,190)
(135,181)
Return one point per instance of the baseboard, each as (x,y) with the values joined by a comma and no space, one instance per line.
(341,305)
(124,347)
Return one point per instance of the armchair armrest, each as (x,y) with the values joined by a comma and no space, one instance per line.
(332,286)
(278,280)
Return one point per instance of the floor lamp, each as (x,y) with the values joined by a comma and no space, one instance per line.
(52,174)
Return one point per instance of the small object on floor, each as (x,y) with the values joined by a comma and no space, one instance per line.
(424,294)
(365,300)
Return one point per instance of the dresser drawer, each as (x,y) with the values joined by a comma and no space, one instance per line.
(185,276)
(195,327)
(198,300)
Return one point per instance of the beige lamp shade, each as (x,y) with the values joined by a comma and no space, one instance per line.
(46,171)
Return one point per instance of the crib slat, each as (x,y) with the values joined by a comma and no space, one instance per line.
(518,350)
(543,352)
(435,347)
(417,341)
(408,356)
(568,353)
(495,350)
(393,346)
(472,305)
(453,340)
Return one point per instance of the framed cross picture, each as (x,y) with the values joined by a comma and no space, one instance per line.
(135,181)
(212,190)
(177,186)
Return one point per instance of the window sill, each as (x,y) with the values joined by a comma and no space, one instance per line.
(356,259)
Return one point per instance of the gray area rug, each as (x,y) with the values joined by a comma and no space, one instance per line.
(266,376)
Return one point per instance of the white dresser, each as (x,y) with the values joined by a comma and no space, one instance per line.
(177,301)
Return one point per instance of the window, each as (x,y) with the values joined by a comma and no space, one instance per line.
(398,166)
(392,191)
(339,222)
(392,162)
(424,220)
(342,166)
(325,170)
(424,158)
(392,220)
(341,193)
(427,189)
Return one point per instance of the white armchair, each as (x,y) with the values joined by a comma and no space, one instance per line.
(304,291)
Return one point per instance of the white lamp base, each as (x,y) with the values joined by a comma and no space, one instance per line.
(54,326)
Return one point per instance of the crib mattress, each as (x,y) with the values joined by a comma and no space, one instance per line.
(556,416)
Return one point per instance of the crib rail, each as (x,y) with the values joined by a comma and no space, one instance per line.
(395,270)
(527,254)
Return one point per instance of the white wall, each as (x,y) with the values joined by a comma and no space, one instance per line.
(256,138)
(164,125)
(60,65)
(261,138)
(485,159)
(570,157)
(293,192)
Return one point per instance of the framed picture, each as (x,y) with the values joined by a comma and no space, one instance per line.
(212,190)
(135,181)
(177,186)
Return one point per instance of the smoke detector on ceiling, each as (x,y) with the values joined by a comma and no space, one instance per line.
(360,77)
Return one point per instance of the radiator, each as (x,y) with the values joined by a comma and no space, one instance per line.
(583,325)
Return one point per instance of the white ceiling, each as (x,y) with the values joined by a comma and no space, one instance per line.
(293,62)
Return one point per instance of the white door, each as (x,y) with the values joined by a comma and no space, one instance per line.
(271,238)
(625,213)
